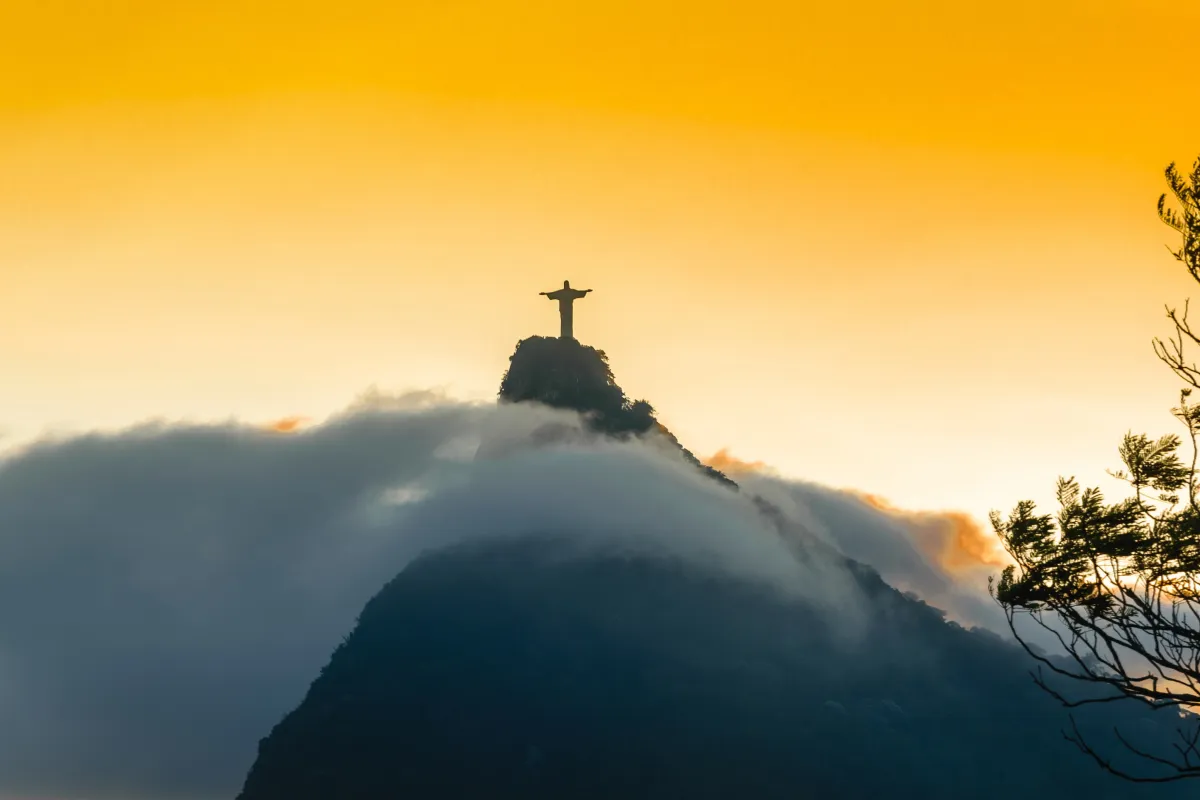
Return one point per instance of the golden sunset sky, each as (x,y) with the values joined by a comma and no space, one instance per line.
(908,247)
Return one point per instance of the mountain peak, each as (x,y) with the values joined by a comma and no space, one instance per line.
(562,373)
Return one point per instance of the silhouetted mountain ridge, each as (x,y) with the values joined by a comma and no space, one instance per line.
(516,670)
(522,668)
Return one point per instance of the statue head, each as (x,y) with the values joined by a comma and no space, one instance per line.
(566,284)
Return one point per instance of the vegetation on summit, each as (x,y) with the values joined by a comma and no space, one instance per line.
(562,373)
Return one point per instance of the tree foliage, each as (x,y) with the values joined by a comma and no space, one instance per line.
(1117,585)
(1185,220)
(562,373)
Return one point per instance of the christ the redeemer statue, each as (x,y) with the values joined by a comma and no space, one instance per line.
(566,296)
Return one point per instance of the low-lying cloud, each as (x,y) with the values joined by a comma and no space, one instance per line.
(952,539)
(945,557)
(167,593)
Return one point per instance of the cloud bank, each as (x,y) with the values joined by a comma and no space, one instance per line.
(167,593)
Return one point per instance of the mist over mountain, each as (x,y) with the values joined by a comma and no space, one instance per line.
(518,599)
(525,670)
(653,667)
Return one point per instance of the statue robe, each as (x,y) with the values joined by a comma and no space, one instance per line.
(566,298)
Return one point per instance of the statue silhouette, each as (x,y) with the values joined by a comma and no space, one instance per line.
(566,296)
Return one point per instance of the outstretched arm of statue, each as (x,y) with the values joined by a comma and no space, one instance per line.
(543,293)
(585,291)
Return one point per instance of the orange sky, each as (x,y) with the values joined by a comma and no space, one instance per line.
(905,247)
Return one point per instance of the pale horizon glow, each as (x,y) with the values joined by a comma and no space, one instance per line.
(908,249)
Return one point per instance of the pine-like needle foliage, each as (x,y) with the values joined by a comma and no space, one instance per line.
(1118,585)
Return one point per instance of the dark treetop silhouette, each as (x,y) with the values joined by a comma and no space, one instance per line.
(1118,585)
(566,298)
